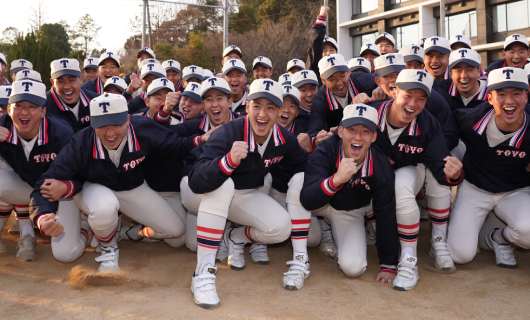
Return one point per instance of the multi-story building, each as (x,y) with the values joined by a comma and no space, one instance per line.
(485,22)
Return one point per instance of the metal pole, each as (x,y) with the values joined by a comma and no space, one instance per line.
(326,5)
(225,23)
(143,23)
(149,24)
(442,18)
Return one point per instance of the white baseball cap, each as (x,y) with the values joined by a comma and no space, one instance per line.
(388,63)
(214,83)
(154,69)
(64,67)
(515,38)
(19,64)
(359,64)
(412,52)
(90,63)
(193,91)
(160,84)
(28,74)
(264,61)
(147,50)
(108,109)
(3,58)
(438,44)
(385,36)
(5,92)
(284,78)
(527,69)
(148,60)
(232,48)
(234,64)
(116,82)
(304,77)
(171,64)
(192,71)
(268,89)
(290,91)
(331,41)
(28,90)
(108,55)
(295,63)
(207,73)
(464,55)
(327,66)
(359,114)
(507,77)
(369,47)
(409,79)
(460,39)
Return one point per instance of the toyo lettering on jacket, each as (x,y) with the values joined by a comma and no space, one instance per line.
(406,148)
(133,163)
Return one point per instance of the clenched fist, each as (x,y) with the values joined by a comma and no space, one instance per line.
(135,83)
(361,98)
(49,225)
(53,189)
(172,99)
(452,168)
(322,135)
(238,152)
(347,168)
(304,140)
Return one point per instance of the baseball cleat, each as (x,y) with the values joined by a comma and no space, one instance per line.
(203,288)
(236,252)
(258,253)
(441,255)
(222,252)
(407,274)
(298,271)
(327,244)
(108,260)
(26,248)
(504,255)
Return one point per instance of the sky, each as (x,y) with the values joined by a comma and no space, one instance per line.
(113,16)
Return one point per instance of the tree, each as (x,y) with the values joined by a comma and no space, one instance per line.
(84,32)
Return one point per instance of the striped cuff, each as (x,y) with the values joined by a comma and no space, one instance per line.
(328,187)
(197,141)
(69,189)
(37,219)
(388,268)
(226,165)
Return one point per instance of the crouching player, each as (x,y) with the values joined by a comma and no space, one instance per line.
(343,176)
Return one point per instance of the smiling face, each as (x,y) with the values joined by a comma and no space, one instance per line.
(385,46)
(263,114)
(155,102)
(516,55)
(173,76)
(509,105)
(436,63)
(328,50)
(414,64)
(68,88)
(387,83)
(90,74)
(356,140)
(408,104)
(288,112)
(307,93)
(466,79)
(108,69)
(26,118)
(112,136)
(261,72)
(338,83)
(189,107)
(217,107)
(237,81)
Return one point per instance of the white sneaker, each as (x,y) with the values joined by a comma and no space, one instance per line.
(259,253)
(407,274)
(203,288)
(370,233)
(298,271)
(236,252)
(108,260)
(327,244)
(442,256)
(26,248)
(222,252)
(504,255)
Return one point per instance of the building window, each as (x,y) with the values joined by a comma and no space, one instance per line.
(358,41)
(406,35)
(463,23)
(397,1)
(511,16)
(368,5)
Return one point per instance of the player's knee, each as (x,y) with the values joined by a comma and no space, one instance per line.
(67,254)
(278,232)
(460,254)
(352,268)
(521,234)
(103,216)
(176,242)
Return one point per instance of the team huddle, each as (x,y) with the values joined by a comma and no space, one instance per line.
(337,154)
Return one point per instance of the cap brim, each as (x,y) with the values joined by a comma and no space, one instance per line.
(152,92)
(144,51)
(506,47)
(112,59)
(371,51)
(36,100)
(153,73)
(470,62)
(332,43)
(173,68)
(60,73)
(508,84)
(114,86)
(266,95)
(413,85)
(192,95)
(340,68)
(395,68)
(90,66)
(358,120)
(412,57)
(17,69)
(304,82)
(377,40)
(193,75)
(115,119)
(239,53)
(262,64)
(295,98)
(234,68)
(4,101)
(460,42)
(442,50)
(359,68)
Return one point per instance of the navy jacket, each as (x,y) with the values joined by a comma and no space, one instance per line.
(56,106)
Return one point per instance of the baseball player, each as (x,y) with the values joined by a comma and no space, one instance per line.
(385,43)
(232,52)
(262,68)
(190,103)
(369,51)
(413,56)
(90,69)
(108,66)
(343,176)
(173,73)
(232,166)
(359,64)
(290,111)
(5,92)
(66,98)
(235,73)
(192,73)
(106,160)
(161,99)
(496,164)
(17,65)
(29,142)
(459,41)
(295,65)
(322,45)
(307,84)
(284,79)
(436,57)
(26,74)
(411,136)
(117,85)
(515,53)
(149,72)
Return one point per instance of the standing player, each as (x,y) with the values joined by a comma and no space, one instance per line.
(90,69)
(322,45)
(235,73)
(190,103)
(436,50)
(192,73)
(150,71)
(385,43)
(515,53)
(413,56)
(295,65)
(496,164)
(108,66)
(173,73)
(18,65)
(232,52)
(369,51)
(262,68)
(459,41)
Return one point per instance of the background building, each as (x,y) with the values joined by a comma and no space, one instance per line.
(485,22)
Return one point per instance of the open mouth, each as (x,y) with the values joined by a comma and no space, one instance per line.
(509,110)
(262,124)
(356,146)
(24,122)
(284,116)
(409,111)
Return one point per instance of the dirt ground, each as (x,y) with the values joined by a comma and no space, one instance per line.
(159,278)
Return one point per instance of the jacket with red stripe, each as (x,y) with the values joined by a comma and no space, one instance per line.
(53,135)
(137,104)
(422,141)
(326,111)
(84,159)
(283,158)
(56,106)
(501,168)
(373,182)
(454,99)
